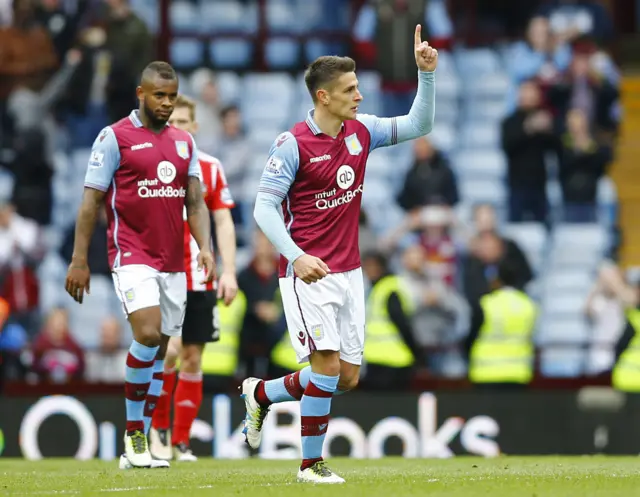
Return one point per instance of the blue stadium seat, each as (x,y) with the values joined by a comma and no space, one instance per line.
(581,237)
(276,87)
(473,136)
(443,137)
(282,17)
(6,183)
(281,53)
(480,163)
(184,17)
(482,191)
(477,62)
(324,15)
(562,362)
(262,139)
(229,85)
(228,16)
(447,110)
(485,112)
(448,87)
(315,48)
(532,239)
(186,53)
(607,198)
(491,86)
(231,53)
(149,12)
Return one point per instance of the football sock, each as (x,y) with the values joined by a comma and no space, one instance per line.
(283,389)
(315,407)
(154,393)
(138,376)
(187,402)
(162,415)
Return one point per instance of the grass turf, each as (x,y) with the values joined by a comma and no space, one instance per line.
(390,477)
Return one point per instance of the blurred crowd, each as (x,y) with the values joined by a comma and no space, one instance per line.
(67,68)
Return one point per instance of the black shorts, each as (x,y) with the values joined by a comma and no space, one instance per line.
(201,319)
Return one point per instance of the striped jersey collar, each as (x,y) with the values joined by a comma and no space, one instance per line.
(312,123)
(134,117)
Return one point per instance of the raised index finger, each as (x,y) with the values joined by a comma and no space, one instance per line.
(418,36)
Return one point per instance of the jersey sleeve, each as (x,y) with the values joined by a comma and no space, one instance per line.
(221,196)
(282,166)
(194,164)
(386,131)
(103,161)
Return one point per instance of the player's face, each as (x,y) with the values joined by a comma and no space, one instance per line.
(181,119)
(344,97)
(157,97)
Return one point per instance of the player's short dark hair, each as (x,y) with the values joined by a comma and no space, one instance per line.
(160,68)
(324,70)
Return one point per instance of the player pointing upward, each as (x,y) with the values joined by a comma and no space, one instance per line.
(308,205)
(144,172)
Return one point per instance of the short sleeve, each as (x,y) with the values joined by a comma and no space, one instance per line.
(282,166)
(194,164)
(383,130)
(221,197)
(103,161)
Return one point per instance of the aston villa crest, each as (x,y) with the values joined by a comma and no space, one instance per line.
(353,144)
(183,149)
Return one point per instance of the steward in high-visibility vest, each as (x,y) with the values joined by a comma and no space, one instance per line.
(384,344)
(501,346)
(221,358)
(626,371)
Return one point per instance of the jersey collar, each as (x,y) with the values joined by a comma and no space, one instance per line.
(312,123)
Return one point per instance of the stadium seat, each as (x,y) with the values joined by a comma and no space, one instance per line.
(229,84)
(581,236)
(184,17)
(476,62)
(532,238)
(562,362)
(448,87)
(282,17)
(489,112)
(149,11)
(473,136)
(567,305)
(482,191)
(561,329)
(447,111)
(6,183)
(489,87)
(228,16)
(480,163)
(230,53)
(315,48)
(379,167)
(281,53)
(186,53)
(262,138)
(323,15)
(568,281)
(607,199)
(443,137)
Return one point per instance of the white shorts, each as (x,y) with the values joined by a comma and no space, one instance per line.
(326,315)
(139,286)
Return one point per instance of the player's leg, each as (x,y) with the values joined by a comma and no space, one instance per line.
(160,432)
(187,401)
(137,289)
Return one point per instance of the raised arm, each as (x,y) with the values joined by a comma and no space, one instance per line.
(419,122)
(103,163)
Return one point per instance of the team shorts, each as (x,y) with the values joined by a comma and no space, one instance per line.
(201,323)
(326,315)
(139,286)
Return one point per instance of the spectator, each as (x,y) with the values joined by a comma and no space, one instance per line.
(527,136)
(234,152)
(430,180)
(62,22)
(586,88)
(574,19)
(206,96)
(107,363)
(263,324)
(56,356)
(582,163)
(21,249)
(131,47)
(540,57)
(480,266)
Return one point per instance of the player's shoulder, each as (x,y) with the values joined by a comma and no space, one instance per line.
(106,138)
(366,120)
(285,143)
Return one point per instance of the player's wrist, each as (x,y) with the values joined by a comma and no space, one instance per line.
(79,259)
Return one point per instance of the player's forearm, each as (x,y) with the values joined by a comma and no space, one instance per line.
(226,236)
(198,214)
(419,121)
(92,202)
(268,215)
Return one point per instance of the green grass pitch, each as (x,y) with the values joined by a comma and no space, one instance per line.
(390,477)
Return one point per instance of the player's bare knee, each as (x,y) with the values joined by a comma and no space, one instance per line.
(326,362)
(149,335)
(348,383)
(191,359)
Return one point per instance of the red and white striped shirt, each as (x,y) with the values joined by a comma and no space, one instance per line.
(216,197)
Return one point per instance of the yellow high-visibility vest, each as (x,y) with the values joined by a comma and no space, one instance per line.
(626,372)
(221,357)
(384,344)
(503,351)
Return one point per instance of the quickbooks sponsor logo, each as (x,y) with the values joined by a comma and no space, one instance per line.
(150,188)
(346,198)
